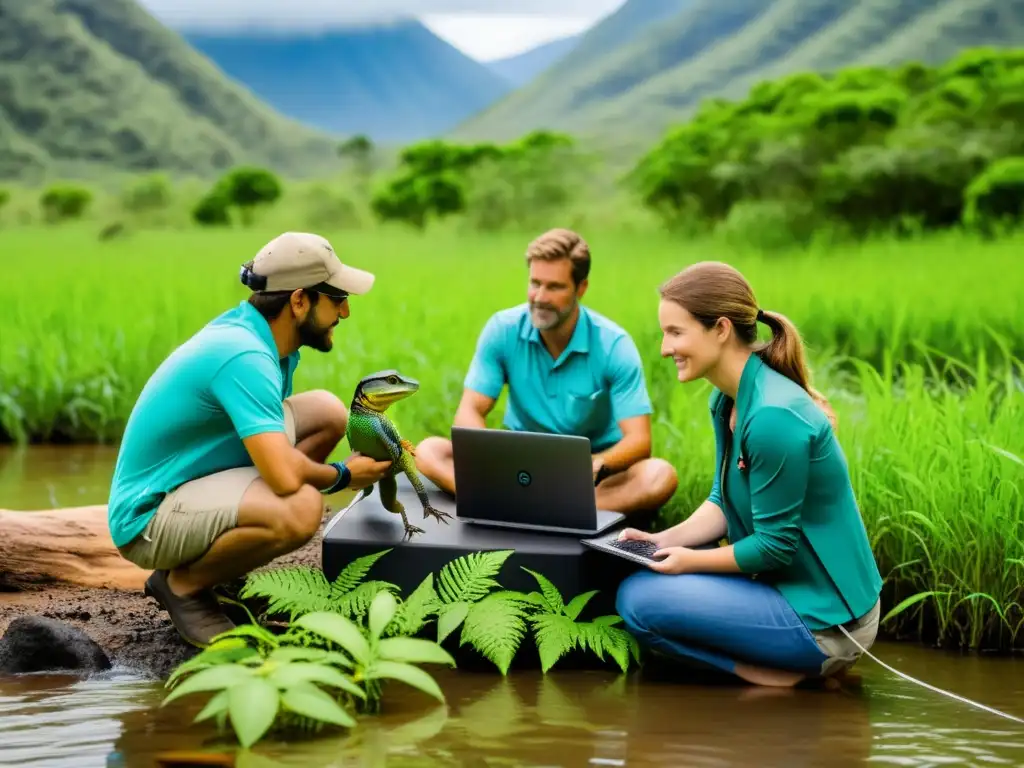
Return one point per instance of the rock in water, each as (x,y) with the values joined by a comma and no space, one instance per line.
(38,644)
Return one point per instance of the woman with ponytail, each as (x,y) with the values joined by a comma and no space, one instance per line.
(768,605)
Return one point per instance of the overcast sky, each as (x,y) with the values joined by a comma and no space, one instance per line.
(471,25)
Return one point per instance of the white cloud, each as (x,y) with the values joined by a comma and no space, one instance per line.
(298,14)
(487,38)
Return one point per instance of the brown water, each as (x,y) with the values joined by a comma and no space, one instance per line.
(46,477)
(562,719)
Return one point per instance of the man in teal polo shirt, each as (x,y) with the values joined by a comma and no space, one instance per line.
(221,468)
(569,371)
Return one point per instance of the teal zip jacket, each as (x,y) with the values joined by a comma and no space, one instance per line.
(783,483)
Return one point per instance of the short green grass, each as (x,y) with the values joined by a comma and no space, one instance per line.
(917,343)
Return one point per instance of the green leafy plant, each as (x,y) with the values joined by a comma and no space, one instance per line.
(468,597)
(299,590)
(557,630)
(324,670)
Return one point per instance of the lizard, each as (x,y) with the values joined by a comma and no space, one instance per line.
(371,433)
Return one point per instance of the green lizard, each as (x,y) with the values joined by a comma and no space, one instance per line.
(371,433)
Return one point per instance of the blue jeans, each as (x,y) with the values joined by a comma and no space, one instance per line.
(717,620)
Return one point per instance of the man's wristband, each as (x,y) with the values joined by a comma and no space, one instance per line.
(344,478)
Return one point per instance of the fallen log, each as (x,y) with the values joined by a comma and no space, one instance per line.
(63,546)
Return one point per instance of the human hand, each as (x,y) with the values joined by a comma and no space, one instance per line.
(632,534)
(671,560)
(365,470)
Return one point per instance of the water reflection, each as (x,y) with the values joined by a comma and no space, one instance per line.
(48,477)
(59,720)
(562,719)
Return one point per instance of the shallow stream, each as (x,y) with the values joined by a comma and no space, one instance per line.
(563,719)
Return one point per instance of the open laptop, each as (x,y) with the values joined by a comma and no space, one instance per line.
(527,480)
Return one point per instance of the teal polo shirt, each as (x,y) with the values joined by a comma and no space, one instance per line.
(222,385)
(595,383)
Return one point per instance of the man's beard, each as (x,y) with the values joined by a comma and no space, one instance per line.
(314,335)
(545,317)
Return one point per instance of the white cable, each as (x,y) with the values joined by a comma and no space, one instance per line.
(336,518)
(926,685)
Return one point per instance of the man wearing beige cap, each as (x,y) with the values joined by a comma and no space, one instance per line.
(221,468)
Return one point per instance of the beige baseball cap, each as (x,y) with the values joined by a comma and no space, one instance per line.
(296,260)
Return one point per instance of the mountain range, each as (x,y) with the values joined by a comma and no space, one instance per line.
(522,68)
(395,82)
(87,84)
(629,92)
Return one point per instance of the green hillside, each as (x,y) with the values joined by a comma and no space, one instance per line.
(840,44)
(99,85)
(722,48)
(950,27)
(595,53)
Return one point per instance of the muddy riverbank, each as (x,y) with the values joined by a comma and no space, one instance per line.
(133,630)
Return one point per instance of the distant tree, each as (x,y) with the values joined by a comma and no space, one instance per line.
(212,210)
(866,147)
(529,183)
(430,182)
(359,150)
(995,199)
(247,188)
(64,201)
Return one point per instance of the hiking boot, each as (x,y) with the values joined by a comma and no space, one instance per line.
(198,618)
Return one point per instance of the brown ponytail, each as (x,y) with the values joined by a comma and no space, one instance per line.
(710,290)
(785,353)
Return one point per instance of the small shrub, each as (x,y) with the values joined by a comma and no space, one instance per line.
(147,195)
(63,202)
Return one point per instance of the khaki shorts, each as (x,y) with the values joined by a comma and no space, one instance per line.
(842,652)
(195,514)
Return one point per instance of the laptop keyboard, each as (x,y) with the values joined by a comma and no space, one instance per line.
(644,549)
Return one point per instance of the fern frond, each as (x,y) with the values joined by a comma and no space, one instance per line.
(355,604)
(577,604)
(293,590)
(449,617)
(414,612)
(469,577)
(589,638)
(556,635)
(354,573)
(602,637)
(496,625)
(552,596)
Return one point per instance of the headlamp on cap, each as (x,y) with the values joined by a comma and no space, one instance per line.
(251,279)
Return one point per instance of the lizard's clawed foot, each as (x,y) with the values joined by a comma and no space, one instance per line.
(437,514)
(408,446)
(410,530)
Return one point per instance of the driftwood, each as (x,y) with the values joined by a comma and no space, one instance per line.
(64,546)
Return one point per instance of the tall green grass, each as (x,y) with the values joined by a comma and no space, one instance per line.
(917,344)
